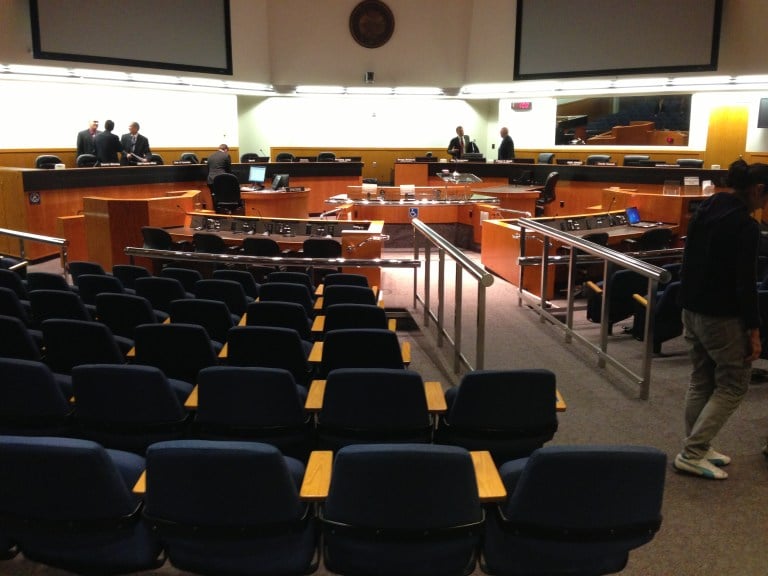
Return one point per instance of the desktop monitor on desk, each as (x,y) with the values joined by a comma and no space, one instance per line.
(280,181)
(256,176)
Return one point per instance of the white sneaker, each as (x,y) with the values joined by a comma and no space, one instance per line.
(701,467)
(717,458)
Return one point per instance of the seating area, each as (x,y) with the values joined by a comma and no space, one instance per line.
(211,398)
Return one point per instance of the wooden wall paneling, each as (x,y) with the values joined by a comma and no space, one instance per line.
(727,134)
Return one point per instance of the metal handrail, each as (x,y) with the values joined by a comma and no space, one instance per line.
(463,265)
(63,243)
(607,256)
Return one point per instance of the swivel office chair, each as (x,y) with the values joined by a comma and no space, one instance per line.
(87,161)
(547,192)
(326,157)
(189,157)
(690,162)
(594,159)
(635,159)
(285,157)
(546,157)
(249,157)
(156,158)
(225,192)
(47,161)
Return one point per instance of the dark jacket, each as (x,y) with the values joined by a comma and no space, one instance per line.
(719,273)
(107,146)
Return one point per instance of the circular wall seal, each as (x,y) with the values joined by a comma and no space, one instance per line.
(371,23)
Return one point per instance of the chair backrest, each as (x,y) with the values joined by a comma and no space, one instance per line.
(546,157)
(187,276)
(65,520)
(31,400)
(70,343)
(46,281)
(326,157)
(547,194)
(189,157)
(47,161)
(213,315)
(156,158)
(123,312)
(128,273)
(156,238)
(348,294)
(13,281)
(288,292)
(91,285)
(86,161)
(345,278)
(422,521)
(271,530)
(57,304)
(342,316)
(292,278)
(225,192)
(366,405)
(126,406)
(635,159)
(655,239)
(508,412)
(16,341)
(249,157)
(243,277)
(623,283)
(689,162)
(285,157)
(179,350)
(230,292)
(260,246)
(360,348)
(77,268)
(160,291)
(269,347)
(281,315)
(557,519)
(593,159)
(321,248)
(209,243)
(11,305)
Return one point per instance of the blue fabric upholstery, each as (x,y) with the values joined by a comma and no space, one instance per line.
(348,294)
(69,343)
(238,512)
(390,511)
(342,316)
(270,347)
(179,350)
(360,348)
(281,315)
(575,510)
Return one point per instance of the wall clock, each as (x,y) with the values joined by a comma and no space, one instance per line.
(371,23)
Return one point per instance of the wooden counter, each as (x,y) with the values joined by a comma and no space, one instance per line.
(277,204)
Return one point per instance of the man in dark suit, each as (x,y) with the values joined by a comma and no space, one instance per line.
(135,146)
(85,139)
(106,144)
(219,163)
(507,147)
(460,144)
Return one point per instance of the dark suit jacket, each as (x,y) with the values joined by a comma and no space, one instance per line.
(107,146)
(454,144)
(506,148)
(218,163)
(141,149)
(85,142)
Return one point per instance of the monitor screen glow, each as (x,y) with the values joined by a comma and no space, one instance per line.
(257,174)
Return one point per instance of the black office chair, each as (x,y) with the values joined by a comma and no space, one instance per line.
(159,239)
(594,159)
(326,157)
(225,192)
(47,161)
(689,162)
(87,161)
(189,157)
(547,192)
(546,157)
(635,159)
(156,158)
(651,239)
(285,157)
(249,158)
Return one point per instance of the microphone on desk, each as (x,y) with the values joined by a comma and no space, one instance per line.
(610,218)
(261,151)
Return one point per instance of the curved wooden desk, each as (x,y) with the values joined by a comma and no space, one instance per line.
(275,204)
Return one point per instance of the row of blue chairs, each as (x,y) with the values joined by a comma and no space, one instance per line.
(216,507)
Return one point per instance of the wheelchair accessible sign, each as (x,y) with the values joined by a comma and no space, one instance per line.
(413,212)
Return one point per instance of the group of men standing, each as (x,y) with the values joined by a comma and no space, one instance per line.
(106,146)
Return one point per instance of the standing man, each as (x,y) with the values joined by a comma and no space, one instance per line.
(460,144)
(135,145)
(507,146)
(85,139)
(107,144)
(720,313)
(219,163)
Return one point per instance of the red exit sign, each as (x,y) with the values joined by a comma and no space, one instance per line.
(522,106)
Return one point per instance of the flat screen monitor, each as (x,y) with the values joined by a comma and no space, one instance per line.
(762,115)
(474,156)
(280,182)
(426,158)
(257,175)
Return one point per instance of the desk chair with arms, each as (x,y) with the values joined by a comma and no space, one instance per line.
(546,193)
(225,192)
(47,161)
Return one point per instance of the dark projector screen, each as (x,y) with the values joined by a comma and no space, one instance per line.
(568,38)
(184,35)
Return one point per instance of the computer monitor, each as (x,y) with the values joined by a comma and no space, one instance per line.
(280,181)
(257,175)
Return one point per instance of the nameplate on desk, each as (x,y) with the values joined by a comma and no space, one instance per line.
(503,161)
(343,159)
(108,164)
(606,163)
(406,159)
(177,162)
(295,189)
(574,163)
(691,181)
